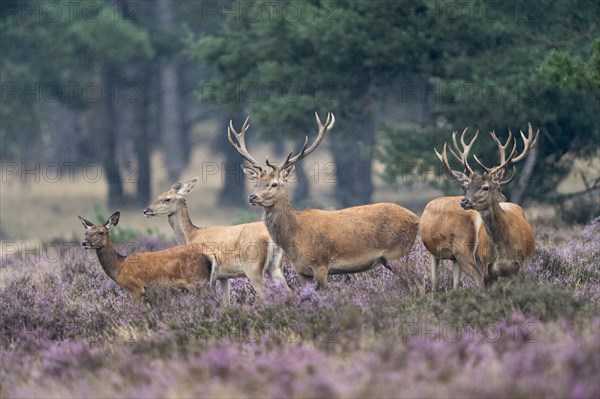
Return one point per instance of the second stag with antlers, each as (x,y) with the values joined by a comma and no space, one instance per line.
(318,242)
(450,232)
(507,239)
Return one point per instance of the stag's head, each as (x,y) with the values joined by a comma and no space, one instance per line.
(96,236)
(482,190)
(167,203)
(269,183)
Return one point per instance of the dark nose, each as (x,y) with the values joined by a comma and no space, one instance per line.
(252,198)
(464,202)
(145,211)
(85,243)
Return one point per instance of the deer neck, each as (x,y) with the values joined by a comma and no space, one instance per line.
(281,222)
(181,224)
(496,223)
(110,260)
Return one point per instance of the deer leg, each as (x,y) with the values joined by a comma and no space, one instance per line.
(277,276)
(470,265)
(214,271)
(320,276)
(455,274)
(276,271)
(255,275)
(490,277)
(135,291)
(433,265)
(225,287)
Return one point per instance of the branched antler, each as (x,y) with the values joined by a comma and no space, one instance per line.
(466,148)
(240,146)
(323,128)
(241,143)
(513,158)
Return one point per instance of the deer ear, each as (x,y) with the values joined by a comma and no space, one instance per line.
(177,186)
(113,220)
(86,223)
(252,173)
(187,187)
(287,172)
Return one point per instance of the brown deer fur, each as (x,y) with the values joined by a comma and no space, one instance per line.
(180,266)
(450,232)
(317,242)
(244,250)
(506,239)
(334,242)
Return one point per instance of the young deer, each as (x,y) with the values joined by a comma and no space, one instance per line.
(450,232)
(325,242)
(507,239)
(245,250)
(180,266)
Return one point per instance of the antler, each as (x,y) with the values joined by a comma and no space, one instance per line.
(323,128)
(241,146)
(464,153)
(451,172)
(461,155)
(512,159)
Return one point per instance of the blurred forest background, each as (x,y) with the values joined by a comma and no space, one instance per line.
(113,82)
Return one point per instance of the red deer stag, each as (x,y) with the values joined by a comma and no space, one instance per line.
(320,242)
(180,266)
(450,232)
(245,250)
(507,239)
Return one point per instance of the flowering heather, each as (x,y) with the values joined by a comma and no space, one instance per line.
(69,331)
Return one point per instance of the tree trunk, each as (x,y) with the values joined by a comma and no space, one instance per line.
(63,143)
(525,178)
(170,110)
(108,131)
(352,139)
(143,137)
(233,192)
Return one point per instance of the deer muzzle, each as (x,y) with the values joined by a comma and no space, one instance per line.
(253,199)
(466,203)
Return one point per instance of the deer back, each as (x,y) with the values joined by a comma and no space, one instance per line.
(361,232)
(184,264)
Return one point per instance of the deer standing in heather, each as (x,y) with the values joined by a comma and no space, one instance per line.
(180,266)
(318,242)
(451,226)
(244,250)
(450,232)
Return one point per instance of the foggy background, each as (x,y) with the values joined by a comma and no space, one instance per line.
(105,104)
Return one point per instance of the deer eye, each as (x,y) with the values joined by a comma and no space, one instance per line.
(166,200)
(101,233)
(485,188)
(273,185)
